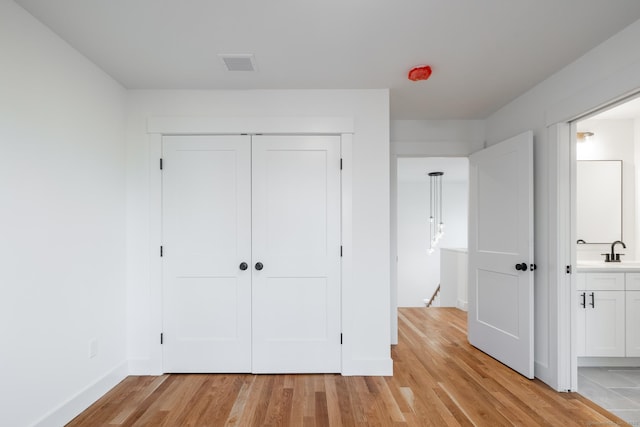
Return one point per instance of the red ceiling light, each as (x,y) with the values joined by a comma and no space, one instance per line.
(420,73)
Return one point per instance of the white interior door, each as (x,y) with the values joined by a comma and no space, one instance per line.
(296,254)
(206,234)
(501,239)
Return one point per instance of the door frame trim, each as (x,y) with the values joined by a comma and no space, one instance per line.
(235,125)
(157,127)
(559,371)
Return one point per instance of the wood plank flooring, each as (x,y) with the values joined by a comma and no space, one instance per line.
(439,380)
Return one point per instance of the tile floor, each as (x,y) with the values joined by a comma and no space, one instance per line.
(615,389)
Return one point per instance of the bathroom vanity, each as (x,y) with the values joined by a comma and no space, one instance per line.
(608,314)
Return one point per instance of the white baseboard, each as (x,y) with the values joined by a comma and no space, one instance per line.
(463,305)
(609,362)
(370,367)
(81,401)
(546,375)
(144,367)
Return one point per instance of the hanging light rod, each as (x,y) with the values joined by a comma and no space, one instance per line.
(436,224)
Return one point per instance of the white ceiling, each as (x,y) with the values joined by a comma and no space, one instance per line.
(483,53)
(412,169)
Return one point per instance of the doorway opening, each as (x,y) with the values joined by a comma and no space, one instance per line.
(607,297)
(419,271)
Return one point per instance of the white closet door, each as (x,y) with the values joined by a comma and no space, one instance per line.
(206,227)
(296,240)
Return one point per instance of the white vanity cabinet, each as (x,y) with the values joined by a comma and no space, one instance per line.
(633,314)
(601,314)
(608,314)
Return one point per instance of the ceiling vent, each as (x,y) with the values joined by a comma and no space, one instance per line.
(238,62)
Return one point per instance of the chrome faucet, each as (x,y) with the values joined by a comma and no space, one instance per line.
(613,256)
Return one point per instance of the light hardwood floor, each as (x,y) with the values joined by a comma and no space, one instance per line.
(439,380)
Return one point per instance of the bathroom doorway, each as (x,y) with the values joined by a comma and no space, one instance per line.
(607,152)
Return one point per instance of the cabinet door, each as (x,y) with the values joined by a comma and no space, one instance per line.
(633,323)
(605,328)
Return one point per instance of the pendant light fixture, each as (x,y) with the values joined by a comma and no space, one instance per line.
(436,224)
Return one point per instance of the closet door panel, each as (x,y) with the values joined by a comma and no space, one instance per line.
(206,222)
(296,239)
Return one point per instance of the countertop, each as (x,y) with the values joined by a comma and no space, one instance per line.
(603,267)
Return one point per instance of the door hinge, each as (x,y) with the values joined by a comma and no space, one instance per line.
(160,163)
(161,338)
(568,270)
(341,250)
(341,338)
(340,163)
(161,250)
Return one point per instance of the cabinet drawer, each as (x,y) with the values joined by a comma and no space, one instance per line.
(581,281)
(633,281)
(604,281)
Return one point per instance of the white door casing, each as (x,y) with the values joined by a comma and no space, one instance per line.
(581,323)
(296,238)
(500,237)
(206,233)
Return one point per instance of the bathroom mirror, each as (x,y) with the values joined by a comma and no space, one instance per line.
(599,201)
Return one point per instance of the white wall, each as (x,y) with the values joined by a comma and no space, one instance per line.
(62,226)
(612,140)
(366,322)
(456,213)
(609,71)
(636,158)
(419,271)
(436,138)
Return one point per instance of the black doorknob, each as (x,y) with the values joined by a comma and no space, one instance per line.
(521,267)
(244,266)
(259,266)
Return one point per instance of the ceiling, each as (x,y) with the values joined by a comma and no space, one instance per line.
(483,53)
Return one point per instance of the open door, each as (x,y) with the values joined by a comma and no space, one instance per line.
(501,252)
